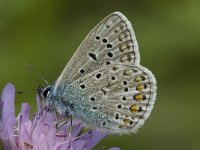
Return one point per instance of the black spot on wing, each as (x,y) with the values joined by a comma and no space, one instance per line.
(93,56)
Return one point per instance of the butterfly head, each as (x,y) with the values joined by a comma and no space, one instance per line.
(44,91)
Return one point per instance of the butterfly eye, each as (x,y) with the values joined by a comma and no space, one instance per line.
(46,91)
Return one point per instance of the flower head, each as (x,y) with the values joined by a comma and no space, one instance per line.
(40,133)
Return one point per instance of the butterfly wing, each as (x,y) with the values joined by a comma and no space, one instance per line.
(112,40)
(104,84)
(116,99)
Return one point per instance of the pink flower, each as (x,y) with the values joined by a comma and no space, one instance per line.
(39,133)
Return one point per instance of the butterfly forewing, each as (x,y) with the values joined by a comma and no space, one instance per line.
(112,40)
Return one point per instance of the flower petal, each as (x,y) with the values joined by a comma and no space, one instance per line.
(92,138)
(8,109)
(40,132)
(23,118)
(78,144)
(38,102)
(76,129)
(25,108)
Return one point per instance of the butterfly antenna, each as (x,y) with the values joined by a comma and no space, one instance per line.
(28,66)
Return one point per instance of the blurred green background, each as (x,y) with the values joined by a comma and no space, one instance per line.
(45,34)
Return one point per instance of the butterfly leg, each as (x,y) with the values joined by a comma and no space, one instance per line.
(60,122)
(70,127)
(41,112)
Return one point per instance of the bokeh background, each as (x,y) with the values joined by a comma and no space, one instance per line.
(45,34)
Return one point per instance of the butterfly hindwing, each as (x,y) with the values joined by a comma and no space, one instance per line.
(119,98)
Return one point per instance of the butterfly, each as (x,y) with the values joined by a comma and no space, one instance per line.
(103,85)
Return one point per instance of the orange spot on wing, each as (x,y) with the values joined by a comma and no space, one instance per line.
(128,122)
(140,87)
(134,108)
(138,97)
